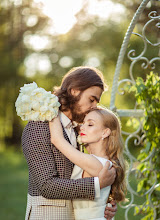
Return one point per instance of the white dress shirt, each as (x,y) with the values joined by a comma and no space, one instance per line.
(66,122)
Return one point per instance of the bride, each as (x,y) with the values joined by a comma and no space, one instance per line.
(102,134)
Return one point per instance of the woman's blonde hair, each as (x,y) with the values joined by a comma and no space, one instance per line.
(114,151)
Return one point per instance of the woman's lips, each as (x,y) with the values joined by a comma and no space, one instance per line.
(82,134)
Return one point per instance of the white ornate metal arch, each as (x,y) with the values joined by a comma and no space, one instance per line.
(135,113)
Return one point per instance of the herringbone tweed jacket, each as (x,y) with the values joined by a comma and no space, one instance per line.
(50,171)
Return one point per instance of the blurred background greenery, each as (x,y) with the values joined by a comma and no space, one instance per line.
(40,40)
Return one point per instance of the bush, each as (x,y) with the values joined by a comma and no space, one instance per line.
(148,97)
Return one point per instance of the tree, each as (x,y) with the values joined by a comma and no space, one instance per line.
(15,23)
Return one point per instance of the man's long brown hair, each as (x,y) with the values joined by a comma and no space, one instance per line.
(80,78)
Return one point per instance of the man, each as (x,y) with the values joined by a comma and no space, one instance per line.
(50,189)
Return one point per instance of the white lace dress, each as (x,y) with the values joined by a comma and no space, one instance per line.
(90,209)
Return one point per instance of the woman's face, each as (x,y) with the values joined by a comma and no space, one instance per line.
(92,129)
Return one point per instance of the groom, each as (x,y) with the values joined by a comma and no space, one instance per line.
(50,188)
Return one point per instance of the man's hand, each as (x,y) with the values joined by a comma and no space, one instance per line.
(107,176)
(110,212)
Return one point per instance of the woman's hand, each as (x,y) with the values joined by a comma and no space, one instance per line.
(55,130)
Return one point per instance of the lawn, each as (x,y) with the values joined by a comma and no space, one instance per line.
(13,187)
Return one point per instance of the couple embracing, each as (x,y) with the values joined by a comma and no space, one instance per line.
(64,183)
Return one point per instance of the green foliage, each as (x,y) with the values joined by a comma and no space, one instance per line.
(13,29)
(148,97)
(91,40)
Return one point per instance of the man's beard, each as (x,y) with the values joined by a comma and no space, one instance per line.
(77,115)
(75,109)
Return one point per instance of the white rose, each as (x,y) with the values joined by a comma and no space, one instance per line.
(28,88)
(42,117)
(38,93)
(54,97)
(24,108)
(23,118)
(44,109)
(46,101)
(79,140)
(49,116)
(27,116)
(36,106)
(54,102)
(18,111)
(42,103)
(19,100)
(54,112)
(34,116)
(25,98)
(48,94)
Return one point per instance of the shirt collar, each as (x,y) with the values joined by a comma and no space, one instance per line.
(64,119)
(66,122)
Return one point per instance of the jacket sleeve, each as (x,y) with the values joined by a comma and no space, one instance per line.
(42,167)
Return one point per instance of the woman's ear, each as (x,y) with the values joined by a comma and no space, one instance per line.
(106,132)
(75,92)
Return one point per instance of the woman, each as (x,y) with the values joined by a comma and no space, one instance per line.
(102,134)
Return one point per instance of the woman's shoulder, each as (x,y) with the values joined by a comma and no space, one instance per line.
(103,160)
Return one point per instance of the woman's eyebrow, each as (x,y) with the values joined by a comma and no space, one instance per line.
(91,120)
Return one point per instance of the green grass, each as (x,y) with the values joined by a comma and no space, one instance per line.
(13,188)
(13,185)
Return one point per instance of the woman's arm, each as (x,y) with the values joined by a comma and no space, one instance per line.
(42,164)
(85,161)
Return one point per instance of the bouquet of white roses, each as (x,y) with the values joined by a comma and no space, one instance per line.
(36,104)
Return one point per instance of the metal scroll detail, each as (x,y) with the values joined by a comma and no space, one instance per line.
(136,114)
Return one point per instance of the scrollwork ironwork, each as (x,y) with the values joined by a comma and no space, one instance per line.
(137,136)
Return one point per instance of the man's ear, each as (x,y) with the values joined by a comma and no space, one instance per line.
(75,92)
(106,132)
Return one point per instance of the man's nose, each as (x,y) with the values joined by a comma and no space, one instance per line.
(82,127)
(94,105)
